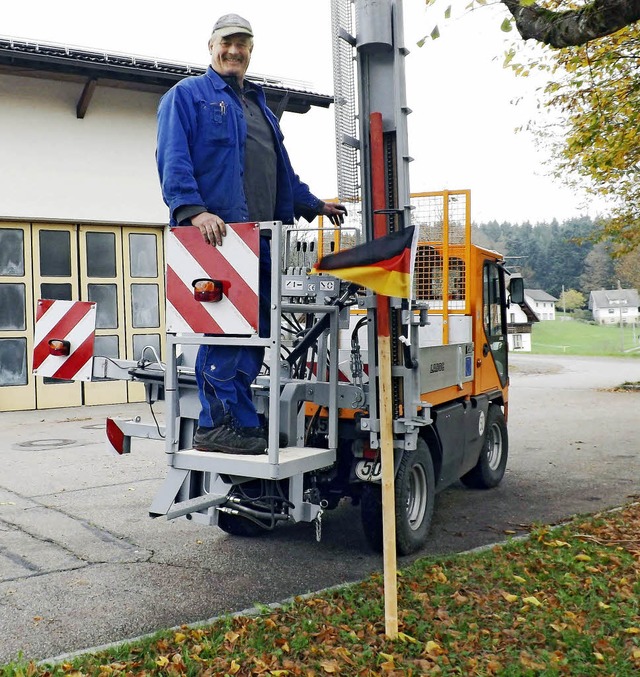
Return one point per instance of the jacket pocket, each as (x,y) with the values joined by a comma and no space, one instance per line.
(216,124)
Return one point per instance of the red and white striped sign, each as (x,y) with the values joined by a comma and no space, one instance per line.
(73,321)
(236,264)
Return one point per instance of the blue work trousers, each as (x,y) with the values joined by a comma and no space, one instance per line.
(225,373)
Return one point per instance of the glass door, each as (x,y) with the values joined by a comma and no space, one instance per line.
(17,389)
(55,276)
(144,297)
(101,281)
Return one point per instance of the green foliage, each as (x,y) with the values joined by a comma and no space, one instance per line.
(595,91)
(570,299)
(549,256)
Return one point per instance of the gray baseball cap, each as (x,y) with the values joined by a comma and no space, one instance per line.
(230,24)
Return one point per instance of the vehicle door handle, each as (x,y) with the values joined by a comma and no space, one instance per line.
(485,349)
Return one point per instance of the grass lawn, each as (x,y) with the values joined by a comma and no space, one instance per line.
(573,337)
(565,601)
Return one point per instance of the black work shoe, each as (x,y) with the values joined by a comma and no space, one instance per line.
(263,431)
(229,440)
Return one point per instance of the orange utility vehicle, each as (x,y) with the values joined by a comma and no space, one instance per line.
(318,389)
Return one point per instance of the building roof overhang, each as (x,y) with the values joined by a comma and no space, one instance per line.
(92,68)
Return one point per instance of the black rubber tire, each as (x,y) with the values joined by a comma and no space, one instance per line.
(414,499)
(239,526)
(489,470)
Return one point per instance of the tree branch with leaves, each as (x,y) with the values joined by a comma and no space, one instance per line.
(572,27)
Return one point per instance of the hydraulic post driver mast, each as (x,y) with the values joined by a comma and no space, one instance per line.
(382,146)
(434,404)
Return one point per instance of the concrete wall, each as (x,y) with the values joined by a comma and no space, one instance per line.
(57,167)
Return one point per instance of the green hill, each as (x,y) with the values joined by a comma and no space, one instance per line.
(576,337)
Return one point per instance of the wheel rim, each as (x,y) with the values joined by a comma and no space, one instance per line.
(417,497)
(494,446)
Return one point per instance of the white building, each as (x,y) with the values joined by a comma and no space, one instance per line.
(542,304)
(520,319)
(614,306)
(81,214)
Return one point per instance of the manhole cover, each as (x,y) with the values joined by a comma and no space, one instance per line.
(46,444)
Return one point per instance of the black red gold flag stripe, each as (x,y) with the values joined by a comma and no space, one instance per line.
(383,265)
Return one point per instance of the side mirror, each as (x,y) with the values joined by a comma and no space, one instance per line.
(516,289)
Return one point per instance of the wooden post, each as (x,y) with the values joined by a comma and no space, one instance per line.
(385,395)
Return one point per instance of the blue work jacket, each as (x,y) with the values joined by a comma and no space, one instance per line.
(201,143)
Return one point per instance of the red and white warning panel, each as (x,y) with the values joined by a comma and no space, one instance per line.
(64,337)
(213,290)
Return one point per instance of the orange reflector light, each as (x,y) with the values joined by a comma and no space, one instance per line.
(59,347)
(119,442)
(205,289)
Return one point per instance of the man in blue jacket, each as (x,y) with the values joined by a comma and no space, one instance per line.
(221,158)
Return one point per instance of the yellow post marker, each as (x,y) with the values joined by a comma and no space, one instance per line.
(388,488)
(385,395)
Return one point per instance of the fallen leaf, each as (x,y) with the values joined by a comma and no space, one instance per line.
(234,667)
(632,631)
(330,666)
(599,656)
(433,648)
(508,596)
(519,579)
(406,638)
(602,605)
(582,557)
(179,637)
(231,636)
(532,600)
(162,661)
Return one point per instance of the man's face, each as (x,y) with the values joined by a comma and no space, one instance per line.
(230,56)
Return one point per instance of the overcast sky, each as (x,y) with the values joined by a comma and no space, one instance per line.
(461,130)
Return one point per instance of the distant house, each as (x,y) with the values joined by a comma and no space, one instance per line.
(542,304)
(520,319)
(614,306)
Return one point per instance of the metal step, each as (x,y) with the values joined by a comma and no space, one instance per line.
(291,461)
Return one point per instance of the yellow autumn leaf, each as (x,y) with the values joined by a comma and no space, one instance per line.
(279,673)
(602,605)
(632,631)
(179,637)
(162,661)
(402,636)
(508,596)
(386,656)
(582,557)
(635,653)
(330,666)
(532,600)
(231,636)
(558,627)
(599,656)
(433,648)
(519,579)
(234,667)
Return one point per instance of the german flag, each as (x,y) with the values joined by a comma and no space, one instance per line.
(383,265)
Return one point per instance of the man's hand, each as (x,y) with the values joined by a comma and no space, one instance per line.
(211,226)
(335,212)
